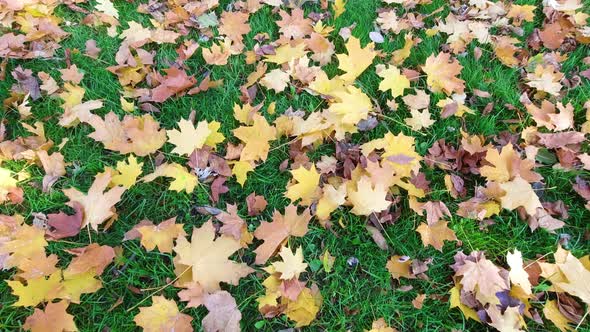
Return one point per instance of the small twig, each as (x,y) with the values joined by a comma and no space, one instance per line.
(399,122)
(158,289)
(582,320)
(89,234)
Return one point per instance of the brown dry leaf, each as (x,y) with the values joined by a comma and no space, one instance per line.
(400,267)
(234,25)
(138,135)
(92,50)
(256,204)
(53,318)
(435,234)
(175,82)
(294,25)
(92,258)
(233,224)
(72,74)
(61,225)
(418,301)
(273,234)
(193,294)
(223,315)
(381,326)
(378,238)
(207,258)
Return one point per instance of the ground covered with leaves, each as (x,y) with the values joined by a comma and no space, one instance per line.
(360,165)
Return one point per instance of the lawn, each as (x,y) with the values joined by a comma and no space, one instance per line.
(360,287)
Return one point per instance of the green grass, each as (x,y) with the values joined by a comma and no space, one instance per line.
(353,296)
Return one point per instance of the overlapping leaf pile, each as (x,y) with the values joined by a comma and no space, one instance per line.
(373,178)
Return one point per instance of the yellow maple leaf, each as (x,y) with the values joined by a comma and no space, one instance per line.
(208,258)
(367,199)
(324,85)
(507,164)
(551,312)
(305,309)
(188,138)
(399,151)
(183,180)
(127,172)
(419,120)
(352,105)
(520,13)
(161,235)
(244,113)
(215,137)
(393,80)
(332,198)
(36,290)
(399,56)
(292,265)
(455,302)
(163,315)
(275,79)
(339,8)
(256,139)
(25,243)
(286,53)
(8,185)
(307,186)
(520,193)
(72,95)
(98,205)
(74,285)
(509,320)
(577,276)
(107,7)
(441,74)
(518,275)
(127,106)
(240,170)
(357,60)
